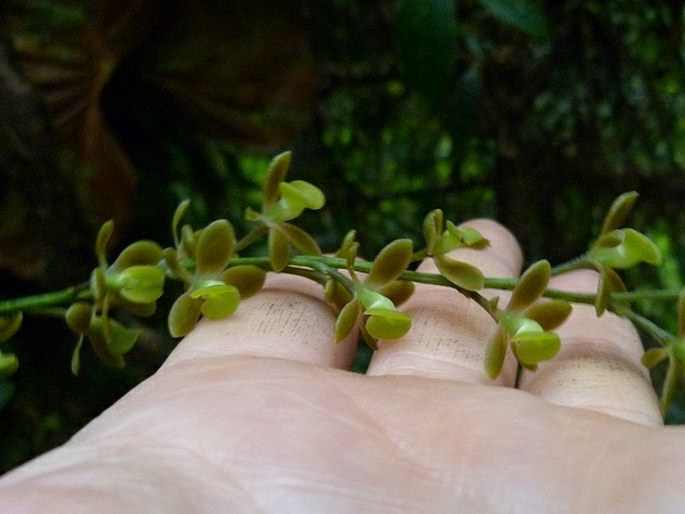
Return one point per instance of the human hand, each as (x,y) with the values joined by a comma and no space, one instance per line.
(256,413)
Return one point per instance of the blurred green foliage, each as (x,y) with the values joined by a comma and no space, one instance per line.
(536,113)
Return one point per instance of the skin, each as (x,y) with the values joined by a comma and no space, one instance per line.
(257,413)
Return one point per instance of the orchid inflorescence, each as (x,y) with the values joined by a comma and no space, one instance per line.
(367,295)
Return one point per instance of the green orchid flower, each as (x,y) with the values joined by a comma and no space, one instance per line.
(525,326)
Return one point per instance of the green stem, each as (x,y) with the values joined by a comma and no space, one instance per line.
(251,237)
(660,335)
(670,382)
(29,303)
(579,262)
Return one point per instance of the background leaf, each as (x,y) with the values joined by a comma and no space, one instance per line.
(426,31)
(525,15)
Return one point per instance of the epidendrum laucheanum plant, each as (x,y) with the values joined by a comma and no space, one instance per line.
(366,294)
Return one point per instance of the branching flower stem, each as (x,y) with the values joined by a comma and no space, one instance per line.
(31,303)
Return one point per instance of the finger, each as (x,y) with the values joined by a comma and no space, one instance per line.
(598,367)
(287,319)
(449,331)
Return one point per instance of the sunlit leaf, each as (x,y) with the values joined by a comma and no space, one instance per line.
(618,212)
(530,286)
(247,278)
(183,315)
(347,320)
(215,246)
(460,273)
(390,263)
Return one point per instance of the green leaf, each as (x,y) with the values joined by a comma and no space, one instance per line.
(653,357)
(624,248)
(301,240)
(532,348)
(618,212)
(279,248)
(530,286)
(432,229)
(139,284)
(549,315)
(427,37)
(383,323)
(138,253)
(278,169)
(8,364)
(220,300)
(10,324)
(215,246)
(390,263)
(460,273)
(494,355)
(347,320)
(247,278)
(183,315)
(525,15)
